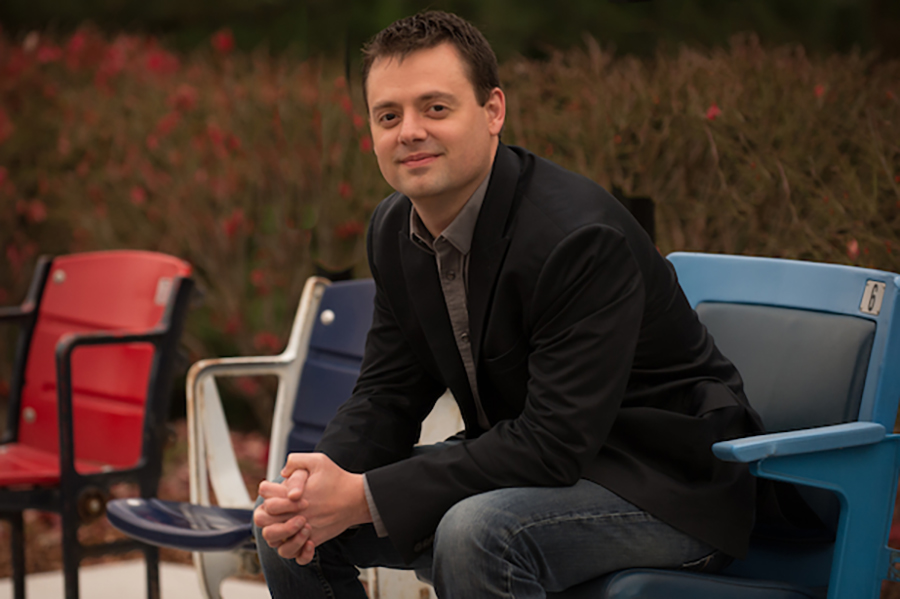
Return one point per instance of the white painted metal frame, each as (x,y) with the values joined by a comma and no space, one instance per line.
(211,457)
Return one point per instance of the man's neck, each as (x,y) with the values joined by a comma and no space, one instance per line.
(438,213)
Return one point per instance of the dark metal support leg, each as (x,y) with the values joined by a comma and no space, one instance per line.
(17,545)
(71,553)
(151,558)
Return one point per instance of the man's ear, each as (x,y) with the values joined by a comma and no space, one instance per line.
(495,110)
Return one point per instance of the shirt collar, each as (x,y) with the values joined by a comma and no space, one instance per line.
(460,231)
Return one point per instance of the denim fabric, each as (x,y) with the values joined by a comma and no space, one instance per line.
(518,542)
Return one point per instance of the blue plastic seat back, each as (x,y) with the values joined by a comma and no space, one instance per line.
(333,361)
(805,336)
(800,368)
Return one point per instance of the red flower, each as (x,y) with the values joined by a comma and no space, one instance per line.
(365,144)
(260,281)
(819,90)
(47,54)
(713,111)
(234,324)
(347,105)
(161,62)
(358,121)
(138,195)
(266,341)
(853,249)
(167,124)
(36,211)
(77,43)
(349,229)
(617,138)
(184,98)
(223,41)
(233,223)
(216,135)
(248,386)
(233,143)
(345,189)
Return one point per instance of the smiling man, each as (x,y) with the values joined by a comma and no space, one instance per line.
(590,392)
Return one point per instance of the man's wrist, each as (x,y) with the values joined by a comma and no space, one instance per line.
(374,516)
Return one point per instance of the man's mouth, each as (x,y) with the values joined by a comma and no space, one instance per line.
(418,159)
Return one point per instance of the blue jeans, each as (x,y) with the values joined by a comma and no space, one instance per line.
(517,542)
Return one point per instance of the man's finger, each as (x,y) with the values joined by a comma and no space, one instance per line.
(279,534)
(263,518)
(296,484)
(299,461)
(269,489)
(278,506)
(293,546)
(306,554)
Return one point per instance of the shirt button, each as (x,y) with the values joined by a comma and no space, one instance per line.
(451,274)
(464,337)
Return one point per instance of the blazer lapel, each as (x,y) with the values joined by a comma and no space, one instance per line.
(491,240)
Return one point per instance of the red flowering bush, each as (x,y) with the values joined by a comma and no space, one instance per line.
(241,164)
(258,168)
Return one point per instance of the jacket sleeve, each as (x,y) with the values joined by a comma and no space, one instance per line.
(585,320)
(381,421)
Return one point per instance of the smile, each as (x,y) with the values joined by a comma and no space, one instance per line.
(419,160)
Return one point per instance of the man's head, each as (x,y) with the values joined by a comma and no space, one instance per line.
(427,30)
(434,131)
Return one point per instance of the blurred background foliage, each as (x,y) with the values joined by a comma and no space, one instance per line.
(527,27)
(233,135)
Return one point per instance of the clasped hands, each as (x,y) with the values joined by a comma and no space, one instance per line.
(317,501)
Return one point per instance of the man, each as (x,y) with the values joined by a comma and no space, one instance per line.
(590,392)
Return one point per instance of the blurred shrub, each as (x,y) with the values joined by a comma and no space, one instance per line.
(258,168)
(528,27)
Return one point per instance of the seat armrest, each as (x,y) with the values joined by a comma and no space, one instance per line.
(17,313)
(823,438)
(67,344)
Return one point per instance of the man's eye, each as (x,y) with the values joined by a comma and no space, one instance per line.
(438,108)
(387,118)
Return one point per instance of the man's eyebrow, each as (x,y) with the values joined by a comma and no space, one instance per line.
(426,97)
(436,96)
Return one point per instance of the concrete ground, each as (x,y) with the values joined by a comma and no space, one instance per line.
(127,580)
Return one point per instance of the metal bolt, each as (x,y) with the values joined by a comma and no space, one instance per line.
(327,317)
(29,415)
(59,276)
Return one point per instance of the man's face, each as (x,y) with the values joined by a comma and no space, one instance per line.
(434,142)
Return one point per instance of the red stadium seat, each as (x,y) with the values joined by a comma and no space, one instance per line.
(89,397)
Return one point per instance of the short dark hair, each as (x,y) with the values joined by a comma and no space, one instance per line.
(427,30)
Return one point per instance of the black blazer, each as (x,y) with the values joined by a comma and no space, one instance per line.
(590,364)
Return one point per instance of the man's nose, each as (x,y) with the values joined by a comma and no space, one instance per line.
(412,129)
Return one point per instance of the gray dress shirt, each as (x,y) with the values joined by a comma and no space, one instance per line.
(451,252)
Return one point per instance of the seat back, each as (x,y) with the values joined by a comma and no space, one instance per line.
(100,291)
(333,359)
(800,368)
(809,339)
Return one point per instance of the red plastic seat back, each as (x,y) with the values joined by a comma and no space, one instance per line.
(100,291)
